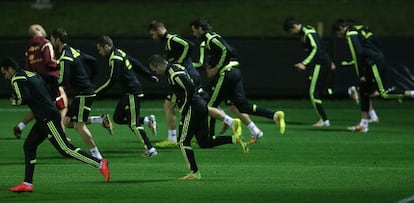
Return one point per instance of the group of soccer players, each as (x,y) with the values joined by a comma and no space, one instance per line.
(367,58)
(42,83)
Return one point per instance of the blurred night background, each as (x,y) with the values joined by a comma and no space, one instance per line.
(254,28)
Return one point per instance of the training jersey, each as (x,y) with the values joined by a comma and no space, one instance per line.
(177,49)
(122,67)
(364,47)
(314,48)
(182,86)
(29,89)
(219,52)
(73,73)
(40,57)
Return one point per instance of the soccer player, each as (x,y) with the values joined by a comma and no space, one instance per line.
(368,60)
(226,83)
(29,89)
(316,63)
(177,50)
(73,75)
(194,114)
(219,114)
(127,112)
(40,58)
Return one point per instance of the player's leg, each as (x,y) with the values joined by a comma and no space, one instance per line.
(33,140)
(184,143)
(133,117)
(255,132)
(315,86)
(171,119)
(237,96)
(365,92)
(78,113)
(56,136)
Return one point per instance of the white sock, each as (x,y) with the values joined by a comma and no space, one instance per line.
(364,122)
(412,93)
(95,153)
(146,120)
(373,114)
(274,116)
(228,120)
(95,119)
(28,184)
(253,128)
(172,135)
(21,126)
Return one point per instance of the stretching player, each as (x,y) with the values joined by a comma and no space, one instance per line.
(127,111)
(194,114)
(29,89)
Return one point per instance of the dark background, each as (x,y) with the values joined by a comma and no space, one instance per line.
(266,64)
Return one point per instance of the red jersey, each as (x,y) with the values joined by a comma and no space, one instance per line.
(40,57)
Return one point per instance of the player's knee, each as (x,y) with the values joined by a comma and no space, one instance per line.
(65,151)
(78,126)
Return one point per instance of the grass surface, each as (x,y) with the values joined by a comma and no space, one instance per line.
(305,165)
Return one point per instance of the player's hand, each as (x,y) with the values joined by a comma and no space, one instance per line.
(333,66)
(13,100)
(300,66)
(362,79)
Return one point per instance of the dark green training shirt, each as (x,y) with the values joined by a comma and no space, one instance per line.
(218,52)
(316,53)
(177,49)
(122,70)
(29,88)
(364,47)
(73,72)
(181,85)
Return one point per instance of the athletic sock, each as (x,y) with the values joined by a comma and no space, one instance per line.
(172,135)
(373,114)
(253,128)
(146,120)
(364,122)
(95,153)
(95,119)
(21,126)
(228,120)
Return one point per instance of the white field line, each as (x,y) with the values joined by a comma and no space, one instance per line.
(406,200)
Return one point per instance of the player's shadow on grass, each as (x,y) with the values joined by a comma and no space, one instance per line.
(11,164)
(296,123)
(329,129)
(9,138)
(287,122)
(138,181)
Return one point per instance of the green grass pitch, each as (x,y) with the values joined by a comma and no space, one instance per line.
(305,165)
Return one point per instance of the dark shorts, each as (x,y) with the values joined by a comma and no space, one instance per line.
(227,86)
(80,108)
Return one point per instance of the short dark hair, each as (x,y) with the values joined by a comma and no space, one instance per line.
(341,23)
(289,22)
(203,23)
(156,60)
(9,62)
(105,40)
(155,24)
(61,34)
